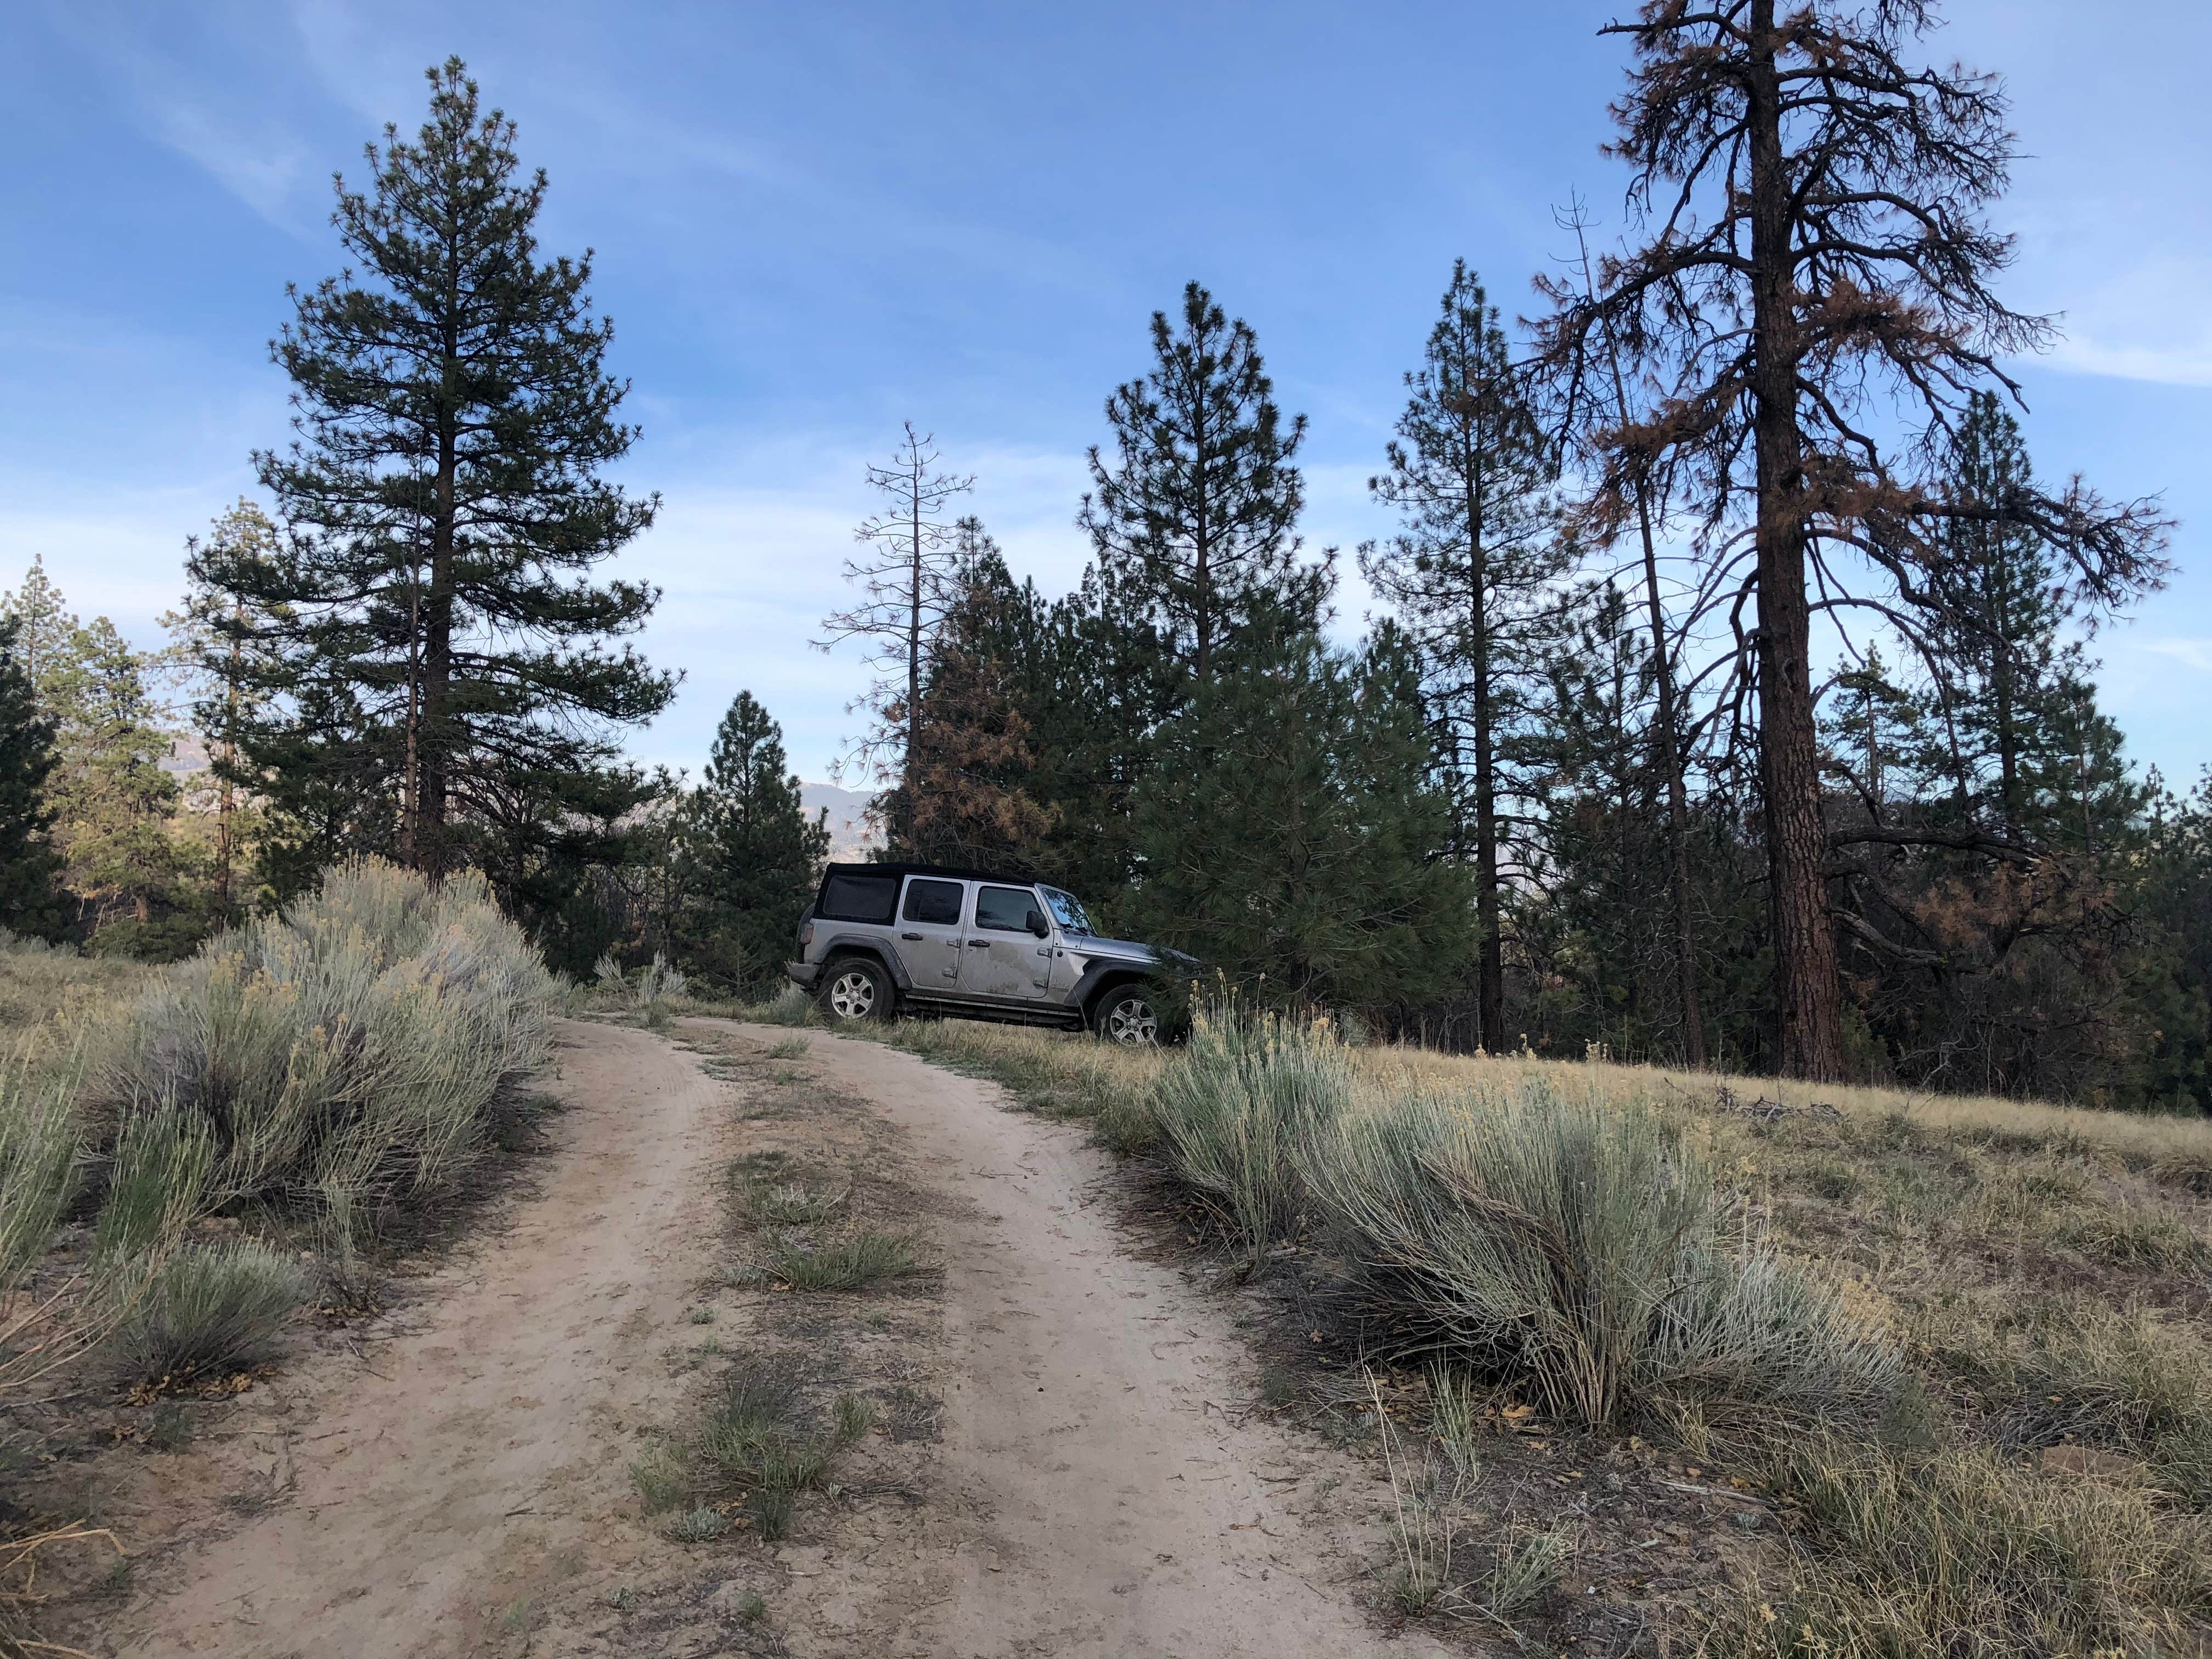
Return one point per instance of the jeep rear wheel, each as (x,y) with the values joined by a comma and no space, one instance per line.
(854,989)
(1125,1015)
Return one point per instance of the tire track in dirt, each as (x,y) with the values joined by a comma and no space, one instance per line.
(468,1473)
(1097,1491)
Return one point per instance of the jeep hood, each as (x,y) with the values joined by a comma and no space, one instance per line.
(1124,950)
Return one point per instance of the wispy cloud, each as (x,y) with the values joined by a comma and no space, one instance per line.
(237,128)
(2192,654)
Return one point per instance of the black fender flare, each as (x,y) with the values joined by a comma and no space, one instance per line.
(1101,977)
(847,944)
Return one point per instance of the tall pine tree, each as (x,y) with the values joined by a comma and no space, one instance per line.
(965,797)
(28,900)
(441,683)
(754,855)
(1290,834)
(1472,574)
(212,637)
(113,801)
(1195,520)
(912,573)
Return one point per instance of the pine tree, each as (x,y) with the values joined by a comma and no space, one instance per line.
(2084,798)
(1472,574)
(1195,522)
(911,575)
(1290,836)
(440,684)
(1877,738)
(28,900)
(757,857)
(213,643)
(1998,616)
(1594,925)
(965,797)
(1817,274)
(112,801)
(47,631)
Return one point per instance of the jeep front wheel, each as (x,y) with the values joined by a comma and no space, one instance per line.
(854,989)
(1127,1016)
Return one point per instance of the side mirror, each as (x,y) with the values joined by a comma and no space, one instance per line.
(1038,925)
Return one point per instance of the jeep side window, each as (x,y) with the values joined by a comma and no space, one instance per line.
(1005,909)
(859,898)
(937,903)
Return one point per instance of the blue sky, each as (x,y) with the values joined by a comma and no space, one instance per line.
(814,221)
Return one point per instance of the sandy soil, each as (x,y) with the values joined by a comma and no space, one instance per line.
(1095,1484)
(467,1468)
(1102,1491)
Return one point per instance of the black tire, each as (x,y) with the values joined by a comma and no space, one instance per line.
(854,991)
(1128,1016)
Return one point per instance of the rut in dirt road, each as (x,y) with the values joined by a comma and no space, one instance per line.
(1092,1483)
(1101,1499)
(470,1469)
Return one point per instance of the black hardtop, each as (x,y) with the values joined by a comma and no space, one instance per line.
(946,872)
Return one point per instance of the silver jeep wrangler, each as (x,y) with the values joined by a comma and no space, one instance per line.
(880,938)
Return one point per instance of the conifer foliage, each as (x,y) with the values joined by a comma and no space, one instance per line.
(1816,271)
(1471,573)
(1289,830)
(431,657)
(754,855)
(1196,516)
(28,900)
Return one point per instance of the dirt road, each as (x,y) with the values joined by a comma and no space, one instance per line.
(1097,1487)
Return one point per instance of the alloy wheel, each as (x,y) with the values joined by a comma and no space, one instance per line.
(1132,1023)
(853,995)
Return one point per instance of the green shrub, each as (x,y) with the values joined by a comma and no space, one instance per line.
(699,1526)
(1231,1112)
(156,1184)
(206,1309)
(355,1047)
(789,1006)
(38,1152)
(788,1204)
(1581,1248)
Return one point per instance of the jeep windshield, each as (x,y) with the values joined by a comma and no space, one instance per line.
(1067,910)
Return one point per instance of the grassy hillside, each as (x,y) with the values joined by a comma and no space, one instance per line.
(1956,1348)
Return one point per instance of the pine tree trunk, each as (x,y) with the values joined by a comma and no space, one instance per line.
(226,838)
(1808,996)
(1669,745)
(431,781)
(1201,549)
(2001,685)
(1490,990)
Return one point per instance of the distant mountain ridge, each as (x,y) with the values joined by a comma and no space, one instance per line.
(852,837)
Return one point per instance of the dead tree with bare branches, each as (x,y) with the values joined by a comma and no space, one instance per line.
(1804,319)
(910,574)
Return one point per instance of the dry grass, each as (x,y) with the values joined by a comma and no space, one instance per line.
(2041,1480)
(2146,1140)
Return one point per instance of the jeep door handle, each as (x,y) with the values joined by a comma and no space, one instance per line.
(978,944)
(911,938)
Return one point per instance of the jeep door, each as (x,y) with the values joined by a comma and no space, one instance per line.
(929,934)
(1005,960)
